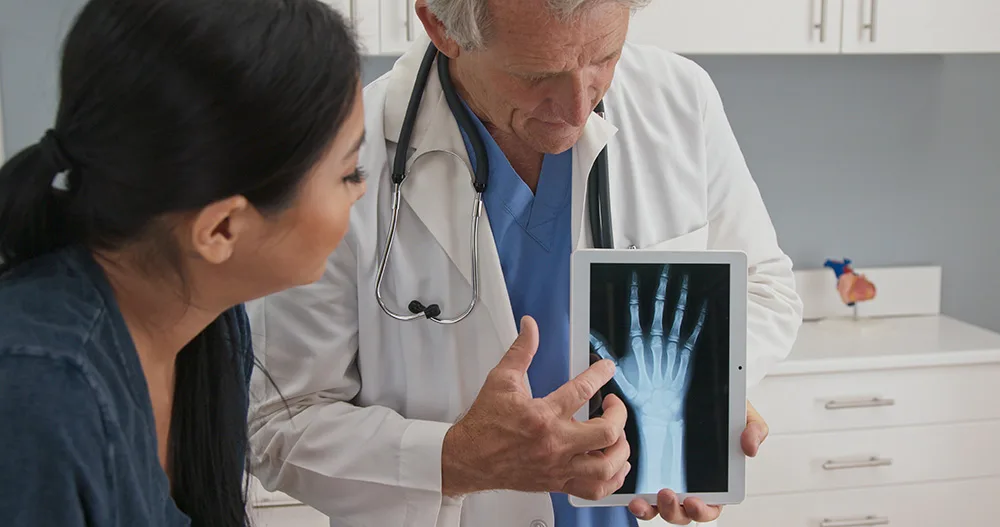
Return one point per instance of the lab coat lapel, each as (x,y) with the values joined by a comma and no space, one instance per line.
(439,187)
(596,135)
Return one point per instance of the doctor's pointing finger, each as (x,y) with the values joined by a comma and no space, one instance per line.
(424,379)
(510,440)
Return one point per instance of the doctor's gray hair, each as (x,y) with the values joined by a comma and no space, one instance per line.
(468,21)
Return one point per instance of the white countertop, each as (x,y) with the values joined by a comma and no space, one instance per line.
(878,343)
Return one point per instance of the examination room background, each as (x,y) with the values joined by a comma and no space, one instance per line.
(888,160)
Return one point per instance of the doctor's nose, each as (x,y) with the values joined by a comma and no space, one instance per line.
(577,101)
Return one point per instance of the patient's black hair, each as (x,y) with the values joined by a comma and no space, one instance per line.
(167,106)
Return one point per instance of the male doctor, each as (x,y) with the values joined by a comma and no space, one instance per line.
(420,424)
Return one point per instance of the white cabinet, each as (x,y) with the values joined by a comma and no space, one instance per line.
(697,27)
(364,14)
(819,26)
(878,422)
(400,26)
(916,505)
(921,26)
(384,27)
(739,26)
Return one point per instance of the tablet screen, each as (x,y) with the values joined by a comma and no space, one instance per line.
(667,327)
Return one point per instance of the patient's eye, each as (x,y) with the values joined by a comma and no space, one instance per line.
(355,177)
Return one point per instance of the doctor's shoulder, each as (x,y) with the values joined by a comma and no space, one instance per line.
(373,158)
(649,75)
(374,95)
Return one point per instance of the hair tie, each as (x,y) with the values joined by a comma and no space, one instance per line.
(54,152)
(58,160)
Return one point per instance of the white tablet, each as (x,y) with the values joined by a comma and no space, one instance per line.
(675,323)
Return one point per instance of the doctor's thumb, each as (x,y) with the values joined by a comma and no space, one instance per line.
(522,351)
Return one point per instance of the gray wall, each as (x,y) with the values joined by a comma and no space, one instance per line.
(31,33)
(909,144)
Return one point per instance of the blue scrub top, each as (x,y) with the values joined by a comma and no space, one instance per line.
(534,240)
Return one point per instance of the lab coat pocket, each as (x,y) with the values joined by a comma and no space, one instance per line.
(696,240)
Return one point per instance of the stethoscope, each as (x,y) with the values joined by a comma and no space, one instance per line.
(598,201)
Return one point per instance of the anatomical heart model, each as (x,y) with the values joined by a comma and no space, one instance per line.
(853,287)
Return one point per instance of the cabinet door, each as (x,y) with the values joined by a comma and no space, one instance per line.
(916,504)
(740,26)
(400,26)
(364,15)
(288,516)
(921,26)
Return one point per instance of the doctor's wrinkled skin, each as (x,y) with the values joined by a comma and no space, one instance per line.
(376,421)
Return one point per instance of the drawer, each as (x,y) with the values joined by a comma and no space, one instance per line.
(843,401)
(857,458)
(965,503)
(261,497)
(287,516)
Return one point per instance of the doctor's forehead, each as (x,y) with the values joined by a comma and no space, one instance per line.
(528,31)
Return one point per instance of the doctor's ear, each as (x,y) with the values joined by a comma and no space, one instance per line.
(436,31)
(216,228)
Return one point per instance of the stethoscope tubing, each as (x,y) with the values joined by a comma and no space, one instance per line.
(598,192)
(477,213)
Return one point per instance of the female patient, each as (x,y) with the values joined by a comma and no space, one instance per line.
(204,154)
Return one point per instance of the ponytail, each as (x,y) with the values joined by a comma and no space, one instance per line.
(207,443)
(167,106)
(33,214)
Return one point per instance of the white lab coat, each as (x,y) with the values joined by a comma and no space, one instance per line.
(370,399)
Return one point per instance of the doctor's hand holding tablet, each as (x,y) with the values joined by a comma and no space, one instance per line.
(674,324)
(510,440)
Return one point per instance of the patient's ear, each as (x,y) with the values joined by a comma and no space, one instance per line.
(217,227)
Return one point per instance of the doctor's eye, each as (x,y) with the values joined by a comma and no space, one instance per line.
(355,177)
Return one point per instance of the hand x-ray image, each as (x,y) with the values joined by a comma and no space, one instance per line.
(667,329)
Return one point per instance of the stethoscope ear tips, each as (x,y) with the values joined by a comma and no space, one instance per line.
(431,311)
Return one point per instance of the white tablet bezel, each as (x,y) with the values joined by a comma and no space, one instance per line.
(580,352)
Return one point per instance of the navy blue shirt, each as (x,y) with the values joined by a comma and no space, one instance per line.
(78,435)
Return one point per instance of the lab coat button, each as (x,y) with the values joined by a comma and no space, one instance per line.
(538,523)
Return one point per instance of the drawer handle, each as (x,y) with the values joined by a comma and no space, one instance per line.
(867,463)
(861,403)
(855,522)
